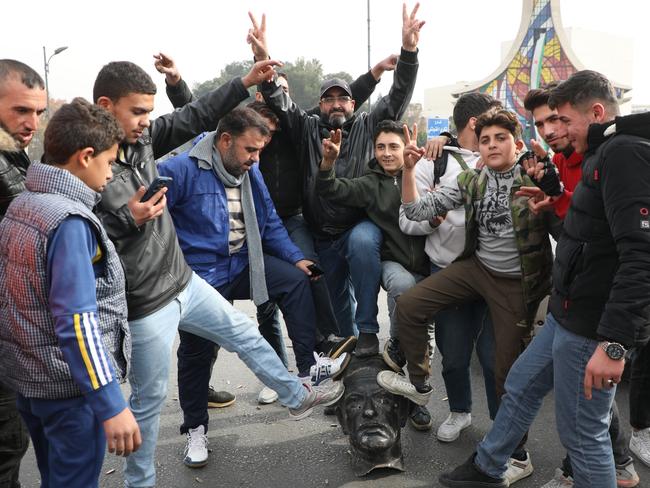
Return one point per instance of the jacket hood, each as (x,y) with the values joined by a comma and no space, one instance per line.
(375,167)
(634,125)
(8,143)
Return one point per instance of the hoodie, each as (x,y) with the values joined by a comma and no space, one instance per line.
(447,241)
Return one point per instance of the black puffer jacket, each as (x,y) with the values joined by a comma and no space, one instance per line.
(601,274)
(13,168)
(154,265)
(328,219)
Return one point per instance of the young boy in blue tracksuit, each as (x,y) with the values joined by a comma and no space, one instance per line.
(62,305)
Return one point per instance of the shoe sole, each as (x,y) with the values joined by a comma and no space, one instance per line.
(389,361)
(308,412)
(417,400)
(521,476)
(347,346)
(634,451)
(627,483)
(451,439)
(194,465)
(469,484)
(267,401)
(421,427)
(336,376)
(221,404)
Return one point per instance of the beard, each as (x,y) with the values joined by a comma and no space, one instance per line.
(231,164)
(335,119)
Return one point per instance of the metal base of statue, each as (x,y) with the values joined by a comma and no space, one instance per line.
(371,417)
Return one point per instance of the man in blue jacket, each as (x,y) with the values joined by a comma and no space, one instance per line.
(232,237)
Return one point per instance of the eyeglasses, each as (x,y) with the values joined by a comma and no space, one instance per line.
(331,100)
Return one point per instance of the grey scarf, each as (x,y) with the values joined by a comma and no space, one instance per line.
(206,151)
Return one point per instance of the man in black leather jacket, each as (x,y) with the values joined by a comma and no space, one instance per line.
(22,102)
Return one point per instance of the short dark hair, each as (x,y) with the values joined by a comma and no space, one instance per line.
(28,77)
(471,105)
(264,110)
(501,118)
(583,87)
(239,120)
(77,125)
(390,126)
(538,96)
(120,78)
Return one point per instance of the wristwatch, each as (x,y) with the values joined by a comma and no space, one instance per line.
(614,350)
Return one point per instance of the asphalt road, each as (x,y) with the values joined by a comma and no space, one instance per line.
(258,446)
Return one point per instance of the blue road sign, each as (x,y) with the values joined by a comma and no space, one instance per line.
(436,125)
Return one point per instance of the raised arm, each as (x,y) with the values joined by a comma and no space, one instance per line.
(393,105)
(178,92)
(172,130)
(428,206)
(292,117)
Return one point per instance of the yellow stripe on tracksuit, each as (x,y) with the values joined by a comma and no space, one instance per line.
(84,352)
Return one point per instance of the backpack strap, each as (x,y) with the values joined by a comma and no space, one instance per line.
(460,160)
(440,165)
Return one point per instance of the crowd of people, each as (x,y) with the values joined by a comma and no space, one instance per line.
(107,249)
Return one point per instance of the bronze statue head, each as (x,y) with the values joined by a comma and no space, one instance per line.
(372,417)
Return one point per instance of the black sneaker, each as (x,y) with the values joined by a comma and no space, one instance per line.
(367,345)
(420,418)
(467,475)
(219,399)
(335,345)
(393,355)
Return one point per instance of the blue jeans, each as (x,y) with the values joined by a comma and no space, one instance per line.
(287,285)
(396,279)
(352,266)
(459,330)
(268,314)
(555,359)
(200,310)
(69,440)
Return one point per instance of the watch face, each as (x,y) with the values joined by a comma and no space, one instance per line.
(615,351)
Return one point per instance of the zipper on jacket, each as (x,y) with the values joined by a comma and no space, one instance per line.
(395,180)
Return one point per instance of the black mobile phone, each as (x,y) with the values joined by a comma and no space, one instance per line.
(315,270)
(158,184)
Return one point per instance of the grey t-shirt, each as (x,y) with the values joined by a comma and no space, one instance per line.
(497,247)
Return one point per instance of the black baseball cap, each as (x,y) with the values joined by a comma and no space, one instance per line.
(335,82)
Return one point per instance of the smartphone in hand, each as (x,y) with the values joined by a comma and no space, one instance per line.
(315,270)
(158,184)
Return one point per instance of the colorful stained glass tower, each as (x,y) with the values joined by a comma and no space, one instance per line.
(539,55)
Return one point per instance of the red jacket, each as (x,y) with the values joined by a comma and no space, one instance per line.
(570,174)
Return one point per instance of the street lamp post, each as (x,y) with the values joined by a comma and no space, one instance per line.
(46,63)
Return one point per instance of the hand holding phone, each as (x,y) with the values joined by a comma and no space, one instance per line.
(315,270)
(158,184)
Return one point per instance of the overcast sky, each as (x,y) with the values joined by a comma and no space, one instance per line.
(203,36)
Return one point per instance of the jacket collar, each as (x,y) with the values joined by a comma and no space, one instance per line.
(8,143)
(44,178)
(203,149)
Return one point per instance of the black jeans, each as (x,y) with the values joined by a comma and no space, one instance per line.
(640,388)
(14,439)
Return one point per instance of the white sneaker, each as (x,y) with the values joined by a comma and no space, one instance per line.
(266,396)
(196,449)
(326,367)
(559,480)
(450,429)
(518,470)
(397,384)
(640,445)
